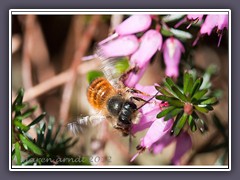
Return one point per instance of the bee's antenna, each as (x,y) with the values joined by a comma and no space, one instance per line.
(146,102)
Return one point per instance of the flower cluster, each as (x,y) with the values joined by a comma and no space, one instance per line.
(140,50)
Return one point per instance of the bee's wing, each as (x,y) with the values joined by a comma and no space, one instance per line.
(76,127)
(108,67)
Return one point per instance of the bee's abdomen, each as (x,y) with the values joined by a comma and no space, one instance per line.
(99,91)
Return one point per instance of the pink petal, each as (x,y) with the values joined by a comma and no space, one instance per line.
(155,132)
(222,22)
(184,143)
(209,23)
(172,49)
(134,24)
(146,120)
(134,78)
(122,46)
(162,143)
(150,43)
(193,17)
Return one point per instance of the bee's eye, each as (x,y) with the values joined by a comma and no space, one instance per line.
(129,104)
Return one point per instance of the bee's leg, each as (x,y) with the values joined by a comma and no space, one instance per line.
(136,91)
(124,76)
(125,132)
(137,99)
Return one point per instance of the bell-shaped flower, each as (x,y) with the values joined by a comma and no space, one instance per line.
(183,144)
(122,46)
(148,111)
(213,20)
(172,50)
(209,23)
(150,42)
(133,24)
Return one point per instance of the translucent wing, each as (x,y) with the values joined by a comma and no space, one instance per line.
(78,126)
(108,67)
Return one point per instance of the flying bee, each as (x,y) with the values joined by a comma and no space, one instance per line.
(113,103)
(112,100)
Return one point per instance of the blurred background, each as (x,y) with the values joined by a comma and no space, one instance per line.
(47,53)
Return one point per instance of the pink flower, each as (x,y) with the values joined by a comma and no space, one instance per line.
(193,18)
(122,46)
(150,42)
(172,49)
(220,21)
(183,144)
(209,23)
(132,25)
(148,111)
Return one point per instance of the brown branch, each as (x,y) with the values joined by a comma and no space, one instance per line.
(58,80)
(28,22)
(83,46)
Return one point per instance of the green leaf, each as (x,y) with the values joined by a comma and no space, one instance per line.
(172,114)
(183,35)
(199,123)
(122,65)
(40,134)
(56,134)
(92,75)
(19,98)
(174,17)
(192,124)
(197,84)
(166,32)
(34,148)
(38,119)
(170,82)
(27,113)
(211,101)
(186,78)
(165,111)
(179,123)
(21,126)
(171,100)
(19,107)
(198,95)
(201,109)
(163,90)
(189,86)
(18,154)
(49,132)
(179,94)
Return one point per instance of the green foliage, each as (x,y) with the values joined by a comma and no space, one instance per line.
(92,75)
(50,145)
(180,34)
(186,103)
(122,65)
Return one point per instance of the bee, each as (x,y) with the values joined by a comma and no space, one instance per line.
(112,100)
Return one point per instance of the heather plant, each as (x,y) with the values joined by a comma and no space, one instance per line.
(173,110)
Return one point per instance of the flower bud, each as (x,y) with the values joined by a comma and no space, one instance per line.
(122,46)
(150,42)
(134,24)
(172,49)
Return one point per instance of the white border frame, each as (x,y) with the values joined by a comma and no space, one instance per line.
(109,12)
